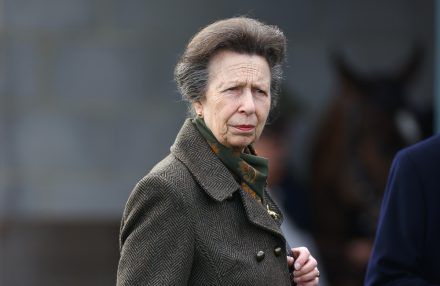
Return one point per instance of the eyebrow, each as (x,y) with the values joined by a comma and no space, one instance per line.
(231,83)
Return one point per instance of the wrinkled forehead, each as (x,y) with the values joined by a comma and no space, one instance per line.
(229,65)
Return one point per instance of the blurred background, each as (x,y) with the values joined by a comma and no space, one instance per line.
(88,105)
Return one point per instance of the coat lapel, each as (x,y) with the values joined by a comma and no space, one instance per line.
(217,181)
(258,214)
(193,151)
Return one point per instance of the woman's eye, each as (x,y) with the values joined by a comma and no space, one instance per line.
(232,89)
(260,91)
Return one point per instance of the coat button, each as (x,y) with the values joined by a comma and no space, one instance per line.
(260,255)
(277,251)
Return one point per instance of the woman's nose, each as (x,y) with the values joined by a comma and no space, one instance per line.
(247,102)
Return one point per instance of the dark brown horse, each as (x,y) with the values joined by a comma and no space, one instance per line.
(365,125)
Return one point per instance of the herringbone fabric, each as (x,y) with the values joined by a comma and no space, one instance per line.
(188,222)
(248,168)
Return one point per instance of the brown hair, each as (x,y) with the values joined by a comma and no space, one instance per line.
(241,35)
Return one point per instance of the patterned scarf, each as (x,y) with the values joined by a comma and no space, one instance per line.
(249,169)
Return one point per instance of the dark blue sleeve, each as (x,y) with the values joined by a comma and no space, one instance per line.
(398,246)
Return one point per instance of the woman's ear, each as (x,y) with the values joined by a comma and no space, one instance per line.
(198,107)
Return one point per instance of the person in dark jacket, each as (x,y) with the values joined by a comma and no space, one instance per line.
(407,249)
(202,215)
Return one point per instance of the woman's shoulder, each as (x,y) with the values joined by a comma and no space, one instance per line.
(172,172)
(168,178)
(158,196)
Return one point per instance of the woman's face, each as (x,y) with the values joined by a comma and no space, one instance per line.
(237,99)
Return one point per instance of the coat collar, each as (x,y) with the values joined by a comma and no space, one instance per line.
(217,181)
(193,150)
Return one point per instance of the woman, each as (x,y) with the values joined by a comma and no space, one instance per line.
(202,215)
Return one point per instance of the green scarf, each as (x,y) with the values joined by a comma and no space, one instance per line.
(250,170)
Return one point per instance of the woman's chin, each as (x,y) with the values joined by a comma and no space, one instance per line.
(240,143)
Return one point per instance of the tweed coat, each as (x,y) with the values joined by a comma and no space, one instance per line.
(188,222)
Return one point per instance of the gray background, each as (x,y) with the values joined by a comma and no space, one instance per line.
(88,104)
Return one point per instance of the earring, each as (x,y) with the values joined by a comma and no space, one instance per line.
(199,114)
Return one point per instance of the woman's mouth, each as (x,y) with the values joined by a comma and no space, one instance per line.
(245,127)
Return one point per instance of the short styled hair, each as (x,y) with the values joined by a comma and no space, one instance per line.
(242,35)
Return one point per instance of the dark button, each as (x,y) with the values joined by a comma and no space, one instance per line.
(230,197)
(277,251)
(260,255)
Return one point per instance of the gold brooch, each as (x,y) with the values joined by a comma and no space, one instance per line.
(273,214)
